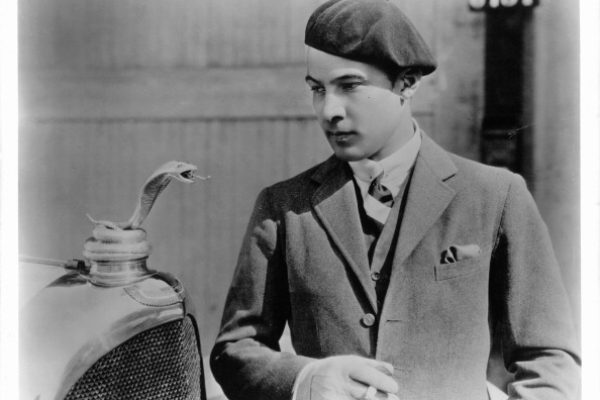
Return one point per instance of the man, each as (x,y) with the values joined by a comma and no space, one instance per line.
(393,260)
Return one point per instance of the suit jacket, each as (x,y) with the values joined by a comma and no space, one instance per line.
(304,261)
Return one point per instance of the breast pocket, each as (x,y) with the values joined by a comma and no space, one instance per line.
(456,269)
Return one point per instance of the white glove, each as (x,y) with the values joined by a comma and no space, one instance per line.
(346,378)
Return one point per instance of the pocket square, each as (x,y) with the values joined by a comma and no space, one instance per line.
(456,253)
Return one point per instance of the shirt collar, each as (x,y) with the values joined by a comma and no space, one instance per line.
(395,166)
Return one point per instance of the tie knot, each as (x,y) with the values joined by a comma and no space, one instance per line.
(378,191)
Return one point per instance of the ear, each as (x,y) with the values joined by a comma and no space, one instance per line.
(407,83)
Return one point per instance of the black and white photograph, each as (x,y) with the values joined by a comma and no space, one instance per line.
(303,200)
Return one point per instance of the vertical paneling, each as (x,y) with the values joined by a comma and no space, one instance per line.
(459,48)
(256,32)
(555,134)
(111,34)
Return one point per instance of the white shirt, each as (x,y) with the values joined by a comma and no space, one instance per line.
(395,168)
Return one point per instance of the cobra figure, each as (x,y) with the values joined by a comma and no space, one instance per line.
(117,241)
(157,182)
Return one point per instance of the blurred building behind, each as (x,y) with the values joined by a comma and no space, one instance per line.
(111,89)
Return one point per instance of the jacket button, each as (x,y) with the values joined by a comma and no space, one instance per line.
(368,320)
(375,275)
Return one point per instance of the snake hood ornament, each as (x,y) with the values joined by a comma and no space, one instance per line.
(154,185)
(117,251)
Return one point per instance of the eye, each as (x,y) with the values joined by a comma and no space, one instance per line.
(350,86)
(317,89)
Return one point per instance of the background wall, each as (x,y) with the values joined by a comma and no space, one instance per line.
(555,91)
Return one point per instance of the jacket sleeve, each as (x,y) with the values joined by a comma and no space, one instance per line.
(539,343)
(246,359)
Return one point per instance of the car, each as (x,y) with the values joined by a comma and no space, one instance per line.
(106,332)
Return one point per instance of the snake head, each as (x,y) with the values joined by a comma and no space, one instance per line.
(181,171)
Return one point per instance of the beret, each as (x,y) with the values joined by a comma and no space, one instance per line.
(371,31)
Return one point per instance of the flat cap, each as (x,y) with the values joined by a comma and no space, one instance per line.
(370,31)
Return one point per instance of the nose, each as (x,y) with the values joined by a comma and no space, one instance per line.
(333,109)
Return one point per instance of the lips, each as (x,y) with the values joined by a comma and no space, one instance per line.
(340,136)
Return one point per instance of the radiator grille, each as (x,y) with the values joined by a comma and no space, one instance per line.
(160,363)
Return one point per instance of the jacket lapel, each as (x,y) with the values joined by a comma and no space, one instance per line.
(336,206)
(429,195)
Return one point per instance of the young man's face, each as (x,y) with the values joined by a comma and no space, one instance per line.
(356,105)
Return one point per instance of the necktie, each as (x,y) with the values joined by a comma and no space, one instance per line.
(380,192)
(378,202)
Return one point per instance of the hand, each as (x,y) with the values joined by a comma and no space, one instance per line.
(346,377)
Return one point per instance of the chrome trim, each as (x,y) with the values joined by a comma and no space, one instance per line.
(118,273)
(161,297)
(74,264)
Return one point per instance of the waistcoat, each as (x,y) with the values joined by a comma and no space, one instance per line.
(380,242)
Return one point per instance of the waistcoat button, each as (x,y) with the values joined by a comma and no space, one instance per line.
(368,320)
(375,275)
